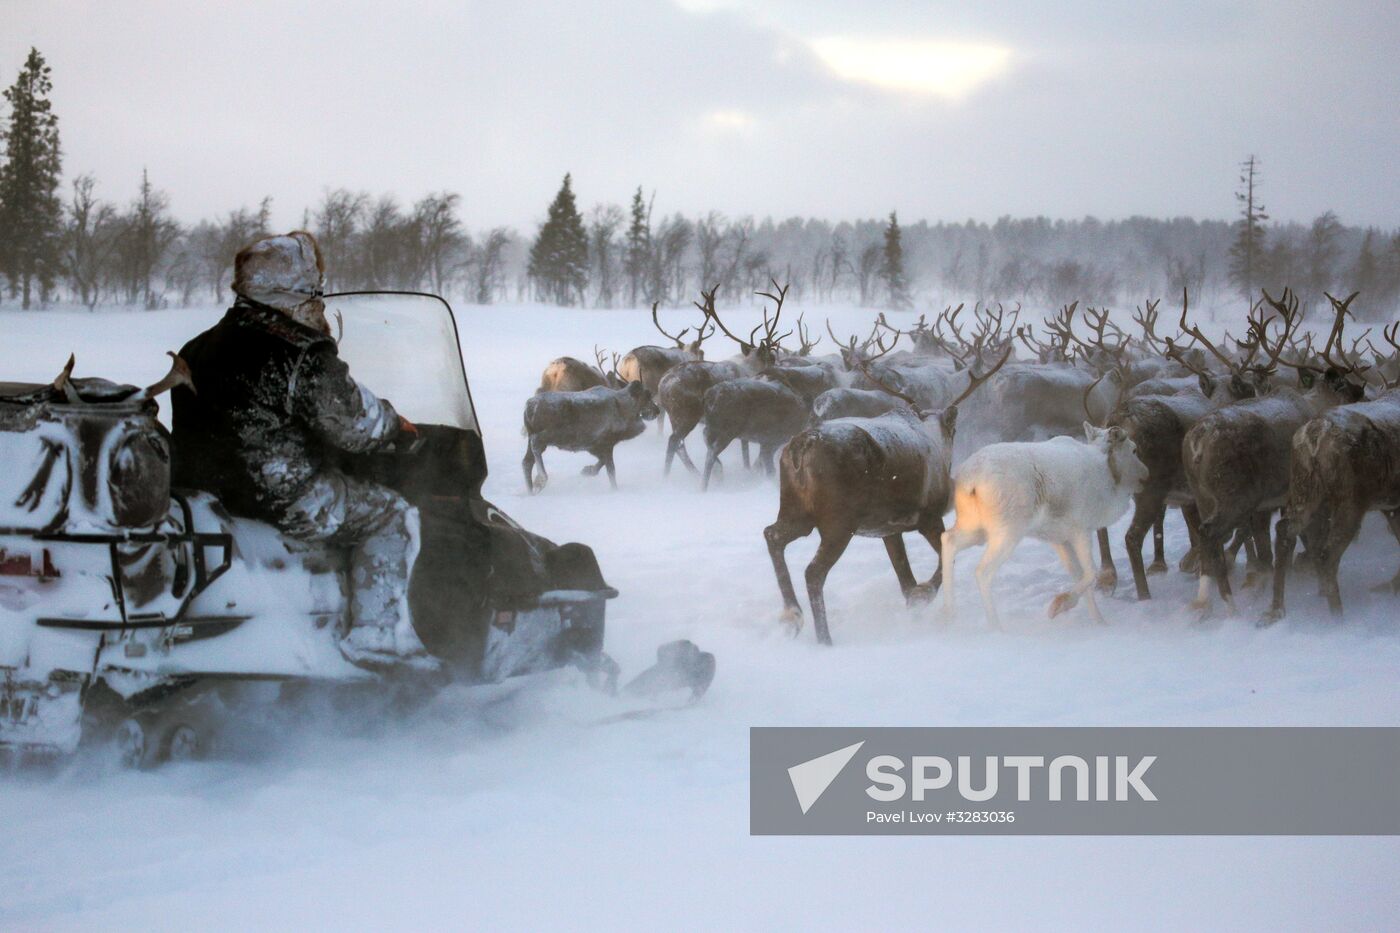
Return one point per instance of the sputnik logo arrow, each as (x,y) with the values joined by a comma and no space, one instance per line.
(811,778)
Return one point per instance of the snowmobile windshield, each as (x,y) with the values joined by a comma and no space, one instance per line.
(404,348)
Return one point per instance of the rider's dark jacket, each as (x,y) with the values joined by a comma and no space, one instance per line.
(273,403)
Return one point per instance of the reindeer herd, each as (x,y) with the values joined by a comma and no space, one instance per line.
(1051,430)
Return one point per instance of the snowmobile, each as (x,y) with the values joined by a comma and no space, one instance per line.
(126,603)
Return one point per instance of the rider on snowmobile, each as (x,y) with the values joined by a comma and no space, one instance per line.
(272,408)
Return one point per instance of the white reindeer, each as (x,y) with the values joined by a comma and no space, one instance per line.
(1059,491)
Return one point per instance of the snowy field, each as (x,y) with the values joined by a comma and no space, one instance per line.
(511,808)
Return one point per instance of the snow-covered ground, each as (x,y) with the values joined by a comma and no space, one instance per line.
(510,808)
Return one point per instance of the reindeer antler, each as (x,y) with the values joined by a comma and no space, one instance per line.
(678,338)
(1147,320)
(1198,337)
(975,381)
(804,337)
(865,369)
(179,375)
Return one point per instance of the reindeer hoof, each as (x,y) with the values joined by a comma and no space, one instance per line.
(1268,618)
(1062,603)
(539,483)
(1200,606)
(1385,589)
(792,618)
(1107,581)
(1190,563)
(1156,567)
(920,595)
(591,470)
(1253,578)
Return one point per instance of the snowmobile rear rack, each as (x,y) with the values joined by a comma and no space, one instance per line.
(204,575)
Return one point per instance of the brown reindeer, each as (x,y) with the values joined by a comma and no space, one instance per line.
(875,477)
(567,374)
(1157,423)
(681,392)
(1343,466)
(647,364)
(1236,458)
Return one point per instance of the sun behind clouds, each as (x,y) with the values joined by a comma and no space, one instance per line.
(929,67)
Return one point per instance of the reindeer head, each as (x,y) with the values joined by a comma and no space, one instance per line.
(1124,465)
(641,400)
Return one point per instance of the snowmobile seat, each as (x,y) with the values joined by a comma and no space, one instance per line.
(91,391)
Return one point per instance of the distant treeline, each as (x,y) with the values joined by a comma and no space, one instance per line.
(76,245)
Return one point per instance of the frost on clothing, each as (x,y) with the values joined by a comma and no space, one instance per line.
(281,272)
(273,404)
(383,530)
(273,409)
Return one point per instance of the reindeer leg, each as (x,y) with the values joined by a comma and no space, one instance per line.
(1191,560)
(899,560)
(1242,539)
(1146,506)
(685,455)
(1263,562)
(744,449)
(1108,575)
(1341,531)
(766,453)
(1159,542)
(953,541)
(607,460)
(1287,538)
(676,447)
(537,448)
(1392,519)
(1067,600)
(528,465)
(1000,544)
(779,535)
(1219,567)
(932,530)
(828,553)
(1084,551)
(715,447)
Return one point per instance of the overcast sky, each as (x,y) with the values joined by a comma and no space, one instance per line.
(943,110)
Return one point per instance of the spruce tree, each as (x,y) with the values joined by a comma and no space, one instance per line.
(1247,256)
(892,266)
(31,215)
(1365,275)
(638,255)
(559,256)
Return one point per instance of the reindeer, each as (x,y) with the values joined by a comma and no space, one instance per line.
(875,477)
(933,380)
(594,420)
(761,411)
(839,401)
(854,403)
(681,392)
(1236,458)
(647,364)
(1036,401)
(1058,490)
(1157,423)
(567,374)
(1343,466)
